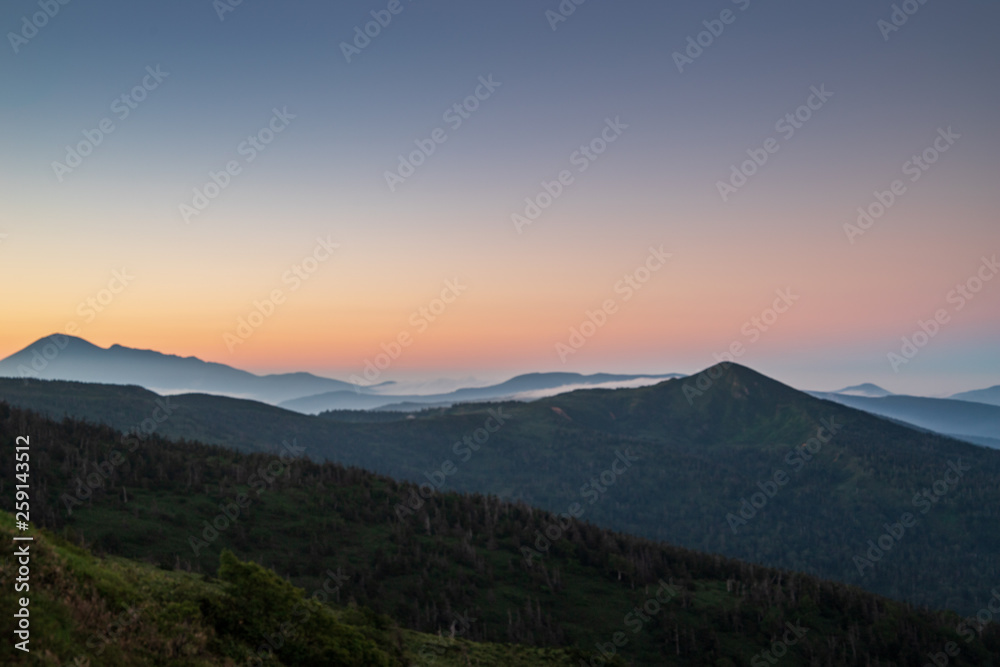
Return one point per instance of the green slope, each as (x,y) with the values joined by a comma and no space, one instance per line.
(703,447)
(86,610)
(453,558)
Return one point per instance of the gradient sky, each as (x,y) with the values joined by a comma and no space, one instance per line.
(323,176)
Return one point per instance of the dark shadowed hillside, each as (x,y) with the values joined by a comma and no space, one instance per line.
(699,450)
(494,570)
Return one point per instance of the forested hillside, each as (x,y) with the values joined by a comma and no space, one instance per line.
(727,461)
(498,571)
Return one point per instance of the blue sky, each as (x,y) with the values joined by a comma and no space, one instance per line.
(657,184)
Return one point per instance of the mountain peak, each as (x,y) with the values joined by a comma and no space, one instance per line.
(61,341)
(729,371)
(864,389)
(729,379)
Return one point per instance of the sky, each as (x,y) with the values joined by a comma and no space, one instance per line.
(482,188)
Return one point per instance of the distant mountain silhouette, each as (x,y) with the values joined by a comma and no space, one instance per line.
(990,395)
(61,357)
(866,389)
(521,384)
(978,423)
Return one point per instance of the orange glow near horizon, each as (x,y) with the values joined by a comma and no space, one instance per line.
(520,298)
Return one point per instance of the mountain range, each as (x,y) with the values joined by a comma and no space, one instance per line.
(70,358)
(978,423)
(990,395)
(62,357)
(727,461)
(522,386)
(523,502)
(186,554)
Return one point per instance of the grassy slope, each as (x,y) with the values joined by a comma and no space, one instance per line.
(458,554)
(115,611)
(698,460)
